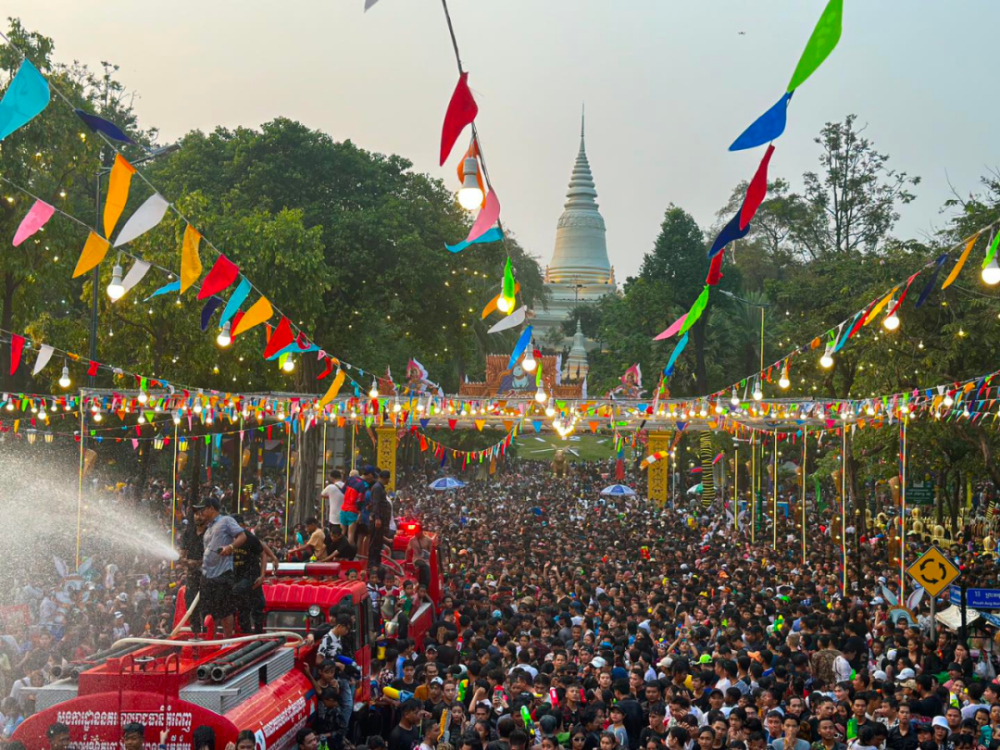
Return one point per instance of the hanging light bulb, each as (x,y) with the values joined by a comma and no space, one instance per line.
(97,415)
(142,418)
(42,415)
(507,299)
(758,394)
(470,196)
(703,412)
(783,381)
(287,362)
(143,397)
(373,393)
(224,338)
(528,363)
(826,361)
(396,407)
(177,417)
(735,400)
(948,400)
(550,409)
(540,395)
(891,320)
(718,407)
(991,273)
(64,381)
(10,406)
(115,289)
(870,409)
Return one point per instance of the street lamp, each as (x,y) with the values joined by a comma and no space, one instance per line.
(96,275)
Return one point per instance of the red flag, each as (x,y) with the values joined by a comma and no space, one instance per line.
(329,368)
(223,273)
(462,110)
(281,338)
(756,190)
(619,470)
(715,270)
(16,347)
(92,370)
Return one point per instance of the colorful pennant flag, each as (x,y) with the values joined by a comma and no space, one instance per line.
(766,128)
(696,310)
(190,260)
(36,218)
(334,389)
(961,262)
(823,41)
(238,298)
(92,254)
(223,273)
(929,287)
(210,307)
(462,110)
(672,328)
(490,235)
(669,369)
(729,233)
(135,274)
(147,216)
(44,355)
(173,286)
(992,250)
(519,347)
(16,348)
(488,216)
(118,186)
(260,312)
(100,125)
(25,98)
(756,191)
(511,321)
(715,270)
(281,338)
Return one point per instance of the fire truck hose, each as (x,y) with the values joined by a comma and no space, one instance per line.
(187,616)
(219,642)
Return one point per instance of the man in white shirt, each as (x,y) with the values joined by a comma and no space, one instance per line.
(334,495)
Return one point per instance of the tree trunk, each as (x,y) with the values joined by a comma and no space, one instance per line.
(7,323)
(700,369)
(939,496)
(308,456)
(196,445)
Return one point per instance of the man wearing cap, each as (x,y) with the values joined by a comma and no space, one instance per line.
(222,536)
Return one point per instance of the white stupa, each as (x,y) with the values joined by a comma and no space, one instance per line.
(579,272)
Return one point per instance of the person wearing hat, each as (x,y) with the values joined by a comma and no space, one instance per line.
(58,736)
(222,536)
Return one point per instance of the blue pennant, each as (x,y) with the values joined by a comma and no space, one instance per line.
(173,286)
(766,128)
(100,125)
(210,307)
(730,233)
(490,235)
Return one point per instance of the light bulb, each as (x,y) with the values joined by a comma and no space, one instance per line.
(373,393)
(528,363)
(891,321)
(948,400)
(991,274)
(550,409)
(142,419)
(758,394)
(10,406)
(396,407)
(470,197)
(288,365)
(718,407)
(115,289)
(826,361)
(143,397)
(783,381)
(177,417)
(735,400)
(703,412)
(504,305)
(224,338)
(97,416)
(870,410)
(197,407)
(64,381)
(42,415)
(540,395)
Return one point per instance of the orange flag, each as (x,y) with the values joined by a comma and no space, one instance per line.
(93,253)
(258,313)
(118,186)
(961,262)
(334,389)
(190,261)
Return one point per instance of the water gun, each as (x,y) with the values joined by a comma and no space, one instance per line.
(463,687)
(644,552)
(397,695)
(852,728)
(444,720)
(779,623)
(529,725)
(553,696)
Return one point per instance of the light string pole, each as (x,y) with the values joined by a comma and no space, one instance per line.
(774,495)
(805,444)
(79,491)
(843,508)
(902,505)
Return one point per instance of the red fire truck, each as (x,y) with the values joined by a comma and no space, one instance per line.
(251,682)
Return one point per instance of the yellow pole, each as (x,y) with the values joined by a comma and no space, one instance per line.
(753,484)
(173,497)
(79,493)
(774,497)
(288,471)
(902,509)
(805,443)
(322,481)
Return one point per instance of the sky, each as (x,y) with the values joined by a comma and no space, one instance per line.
(668,85)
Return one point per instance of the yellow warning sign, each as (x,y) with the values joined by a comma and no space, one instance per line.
(933,571)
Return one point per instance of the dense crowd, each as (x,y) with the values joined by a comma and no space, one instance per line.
(569,622)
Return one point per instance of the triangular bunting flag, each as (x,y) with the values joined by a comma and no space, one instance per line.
(190,261)
(118,187)
(93,253)
(223,273)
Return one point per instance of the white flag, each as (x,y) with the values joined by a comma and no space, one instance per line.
(147,216)
(44,355)
(511,321)
(134,276)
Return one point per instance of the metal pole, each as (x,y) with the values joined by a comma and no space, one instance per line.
(736,490)
(805,445)
(173,495)
(843,511)
(288,471)
(239,469)
(933,616)
(774,497)
(95,279)
(79,493)
(963,633)
(902,508)
(322,497)
(753,490)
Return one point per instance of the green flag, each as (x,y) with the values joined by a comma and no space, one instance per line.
(822,42)
(696,310)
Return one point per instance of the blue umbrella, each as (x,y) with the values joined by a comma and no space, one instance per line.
(445,483)
(618,490)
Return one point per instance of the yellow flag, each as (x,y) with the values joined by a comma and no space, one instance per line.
(961,262)
(333,390)
(190,262)
(93,253)
(260,311)
(480,424)
(118,186)
(878,308)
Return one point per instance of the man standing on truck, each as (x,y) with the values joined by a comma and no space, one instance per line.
(222,537)
(330,647)
(381,516)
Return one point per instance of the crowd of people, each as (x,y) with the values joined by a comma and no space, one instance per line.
(572,622)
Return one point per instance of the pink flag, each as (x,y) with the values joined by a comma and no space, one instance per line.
(488,216)
(36,218)
(674,328)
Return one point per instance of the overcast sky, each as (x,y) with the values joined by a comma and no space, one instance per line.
(668,85)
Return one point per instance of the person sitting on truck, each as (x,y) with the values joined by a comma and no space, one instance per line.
(315,545)
(133,735)
(340,547)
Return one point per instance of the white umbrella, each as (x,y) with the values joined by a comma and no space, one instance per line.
(445,483)
(618,490)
